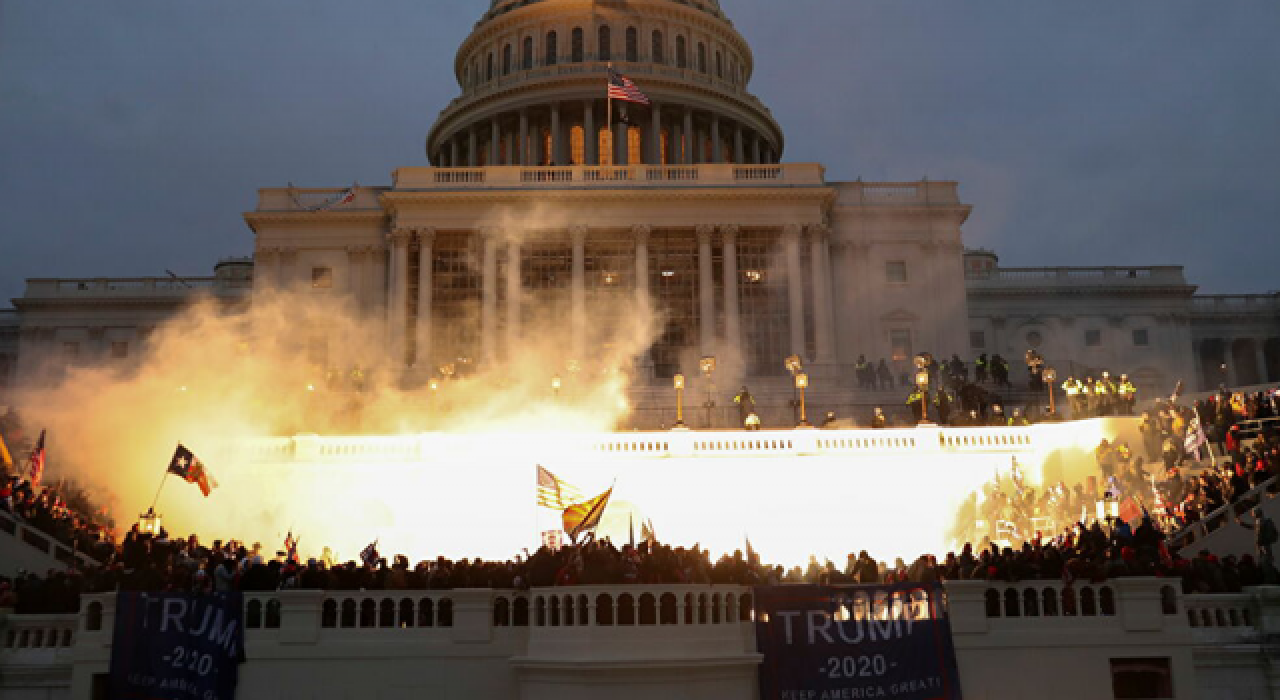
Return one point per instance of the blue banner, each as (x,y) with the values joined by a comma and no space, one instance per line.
(855,642)
(176,646)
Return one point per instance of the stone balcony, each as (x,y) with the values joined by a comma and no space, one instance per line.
(126,287)
(1236,305)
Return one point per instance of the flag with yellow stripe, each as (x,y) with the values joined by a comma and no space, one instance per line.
(6,459)
(582,517)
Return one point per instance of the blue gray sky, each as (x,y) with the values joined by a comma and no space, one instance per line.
(133,133)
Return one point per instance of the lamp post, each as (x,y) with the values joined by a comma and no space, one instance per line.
(793,366)
(708,366)
(678,380)
(1051,376)
(922,382)
(149,522)
(802,383)
(555,386)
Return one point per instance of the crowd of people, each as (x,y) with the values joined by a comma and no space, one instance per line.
(1048,533)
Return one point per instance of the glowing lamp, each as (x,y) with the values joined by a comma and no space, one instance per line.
(678,380)
(802,381)
(149,522)
(922,379)
(555,384)
(707,365)
(434,384)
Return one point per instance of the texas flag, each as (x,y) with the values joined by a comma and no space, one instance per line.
(191,469)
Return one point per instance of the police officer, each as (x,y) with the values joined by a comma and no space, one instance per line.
(1075,396)
(916,401)
(1108,395)
(1127,394)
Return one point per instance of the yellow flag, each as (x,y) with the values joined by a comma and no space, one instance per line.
(580,517)
(5,458)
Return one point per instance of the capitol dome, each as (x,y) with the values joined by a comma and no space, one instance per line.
(533,75)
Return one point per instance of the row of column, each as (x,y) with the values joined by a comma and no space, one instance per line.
(401,241)
(687,138)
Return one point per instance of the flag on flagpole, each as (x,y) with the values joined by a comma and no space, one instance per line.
(621,88)
(631,528)
(6,459)
(188,466)
(346,197)
(554,492)
(35,463)
(369,555)
(582,517)
(290,547)
(646,532)
(1195,437)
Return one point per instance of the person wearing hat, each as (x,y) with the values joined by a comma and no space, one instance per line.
(1126,395)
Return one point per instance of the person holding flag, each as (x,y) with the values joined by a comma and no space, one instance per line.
(369,555)
(291,547)
(585,517)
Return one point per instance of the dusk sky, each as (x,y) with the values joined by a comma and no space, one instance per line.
(134,133)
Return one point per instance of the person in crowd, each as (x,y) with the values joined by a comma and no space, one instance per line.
(746,404)
(877,418)
(884,376)
(1000,371)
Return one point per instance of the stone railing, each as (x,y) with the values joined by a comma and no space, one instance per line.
(1077,276)
(1234,304)
(318,199)
(607,176)
(120,287)
(924,192)
(28,634)
(673,443)
(1222,618)
(24,536)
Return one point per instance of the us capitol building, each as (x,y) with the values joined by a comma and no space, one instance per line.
(535,204)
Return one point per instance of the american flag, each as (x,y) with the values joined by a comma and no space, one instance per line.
(621,88)
(291,547)
(555,493)
(369,555)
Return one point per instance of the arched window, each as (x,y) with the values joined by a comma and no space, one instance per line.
(575,39)
(603,38)
(526,54)
(552,49)
(506,59)
(719,65)
(605,146)
(682,53)
(656,53)
(702,57)
(547,156)
(488,73)
(633,45)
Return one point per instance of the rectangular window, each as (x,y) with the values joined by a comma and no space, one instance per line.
(899,344)
(321,277)
(977,340)
(1141,338)
(119,349)
(1092,339)
(895,271)
(1141,678)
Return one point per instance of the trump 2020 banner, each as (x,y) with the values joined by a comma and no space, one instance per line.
(176,646)
(855,642)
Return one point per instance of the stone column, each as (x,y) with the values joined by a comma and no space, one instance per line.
(473,147)
(423,338)
(495,141)
(717,153)
(820,268)
(655,134)
(454,148)
(489,292)
(590,139)
(676,152)
(641,234)
(755,149)
(557,138)
(513,297)
(688,157)
(620,150)
(795,289)
(523,140)
(732,314)
(578,292)
(397,287)
(706,292)
(739,153)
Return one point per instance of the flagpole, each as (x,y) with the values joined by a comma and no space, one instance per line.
(157,498)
